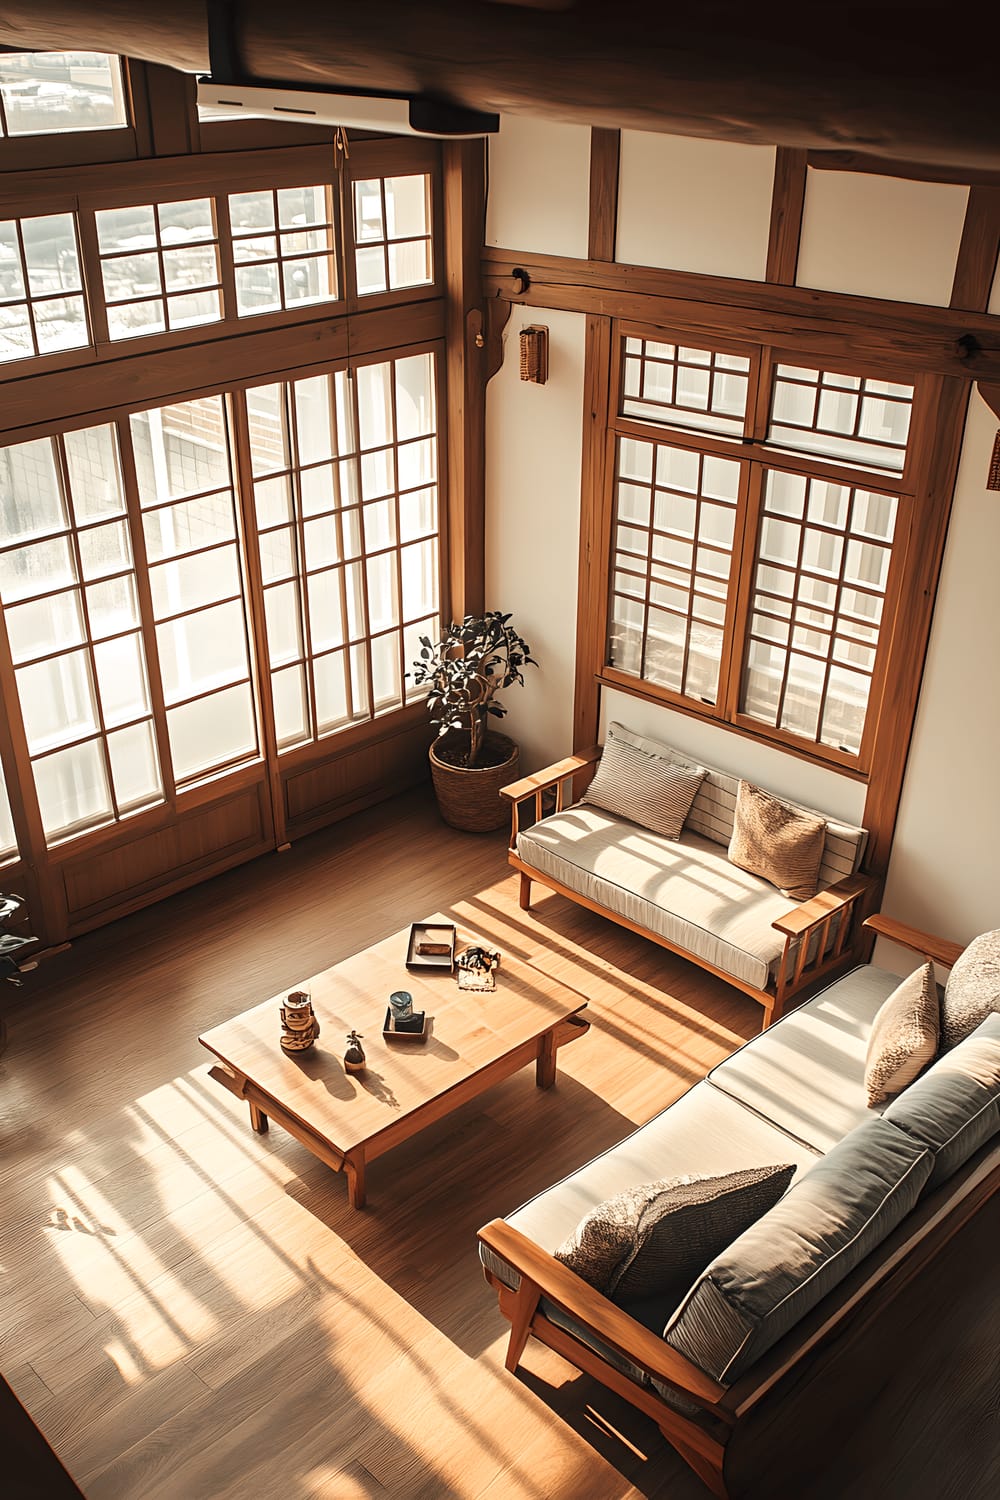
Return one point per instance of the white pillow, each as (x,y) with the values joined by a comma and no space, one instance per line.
(637,782)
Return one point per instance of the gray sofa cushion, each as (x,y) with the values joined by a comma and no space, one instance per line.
(973,989)
(825,1225)
(955,1107)
(686,891)
(806,1073)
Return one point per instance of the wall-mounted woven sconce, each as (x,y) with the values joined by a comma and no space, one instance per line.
(992,479)
(535,354)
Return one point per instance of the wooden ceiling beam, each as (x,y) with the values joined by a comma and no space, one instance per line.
(916,84)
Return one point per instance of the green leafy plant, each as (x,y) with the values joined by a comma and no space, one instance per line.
(464,671)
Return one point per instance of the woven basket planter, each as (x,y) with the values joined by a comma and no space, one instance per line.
(469,796)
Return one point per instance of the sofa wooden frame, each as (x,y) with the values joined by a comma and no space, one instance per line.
(710,1442)
(846,902)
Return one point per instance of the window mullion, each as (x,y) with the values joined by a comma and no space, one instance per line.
(740,589)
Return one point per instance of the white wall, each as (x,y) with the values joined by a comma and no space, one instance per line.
(943,868)
(881,236)
(534,437)
(694,205)
(539,186)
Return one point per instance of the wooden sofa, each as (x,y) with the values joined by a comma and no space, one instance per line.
(810,1062)
(814,940)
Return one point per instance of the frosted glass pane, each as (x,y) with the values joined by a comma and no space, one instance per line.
(105,549)
(121,678)
(374,404)
(316,487)
(188,525)
(211,732)
(31,502)
(288,695)
(136,319)
(265,411)
(51,254)
(368,223)
(383,608)
(418,514)
(194,581)
(121,229)
(202,651)
(44,625)
(380,525)
(112,606)
(277,555)
(419,565)
(281,612)
(273,499)
(377,473)
(27,571)
(313,419)
(72,789)
(415,415)
(417,463)
(135,768)
(370,264)
(326,624)
(60,323)
(57,700)
(248,211)
(386,681)
(94,474)
(322,543)
(331,691)
(410,264)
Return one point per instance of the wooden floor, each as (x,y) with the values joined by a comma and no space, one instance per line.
(192,1311)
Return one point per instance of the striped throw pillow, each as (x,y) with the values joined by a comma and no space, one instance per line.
(777,841)
(647,789)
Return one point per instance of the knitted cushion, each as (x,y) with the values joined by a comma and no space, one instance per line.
(904,1036)
(655,1238)
(972,991)
(778,842)
(635,783)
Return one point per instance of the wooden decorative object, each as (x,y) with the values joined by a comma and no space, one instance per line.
(993,478)
(354,1057)
(299,1026)
(535,354)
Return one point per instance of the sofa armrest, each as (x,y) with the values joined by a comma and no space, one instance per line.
(532,787)
(812,943)
(939,950)
(543,1275)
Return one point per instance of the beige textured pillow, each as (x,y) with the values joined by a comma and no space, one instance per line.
(655,1238)
(904,1036)
(972,990)
(778,842)
(648,789)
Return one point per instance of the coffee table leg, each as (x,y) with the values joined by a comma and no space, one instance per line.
(354,1166)
(258,1119)
(545,1067)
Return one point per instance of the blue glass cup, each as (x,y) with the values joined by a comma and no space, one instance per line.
(401,1005)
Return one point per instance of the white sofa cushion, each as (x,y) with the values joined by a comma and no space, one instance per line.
(685,891)
(806,1073)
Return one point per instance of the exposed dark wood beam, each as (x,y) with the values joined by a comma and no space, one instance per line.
(914,84)
(910,335)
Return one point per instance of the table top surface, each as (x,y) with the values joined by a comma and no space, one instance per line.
(467,1032)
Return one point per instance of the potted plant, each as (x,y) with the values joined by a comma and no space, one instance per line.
(464,671)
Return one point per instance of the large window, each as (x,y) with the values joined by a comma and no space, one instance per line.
(46,92)
(757,510)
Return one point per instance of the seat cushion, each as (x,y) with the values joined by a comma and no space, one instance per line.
(806,1073)
(955,1107)
(685,891)
(783,1265)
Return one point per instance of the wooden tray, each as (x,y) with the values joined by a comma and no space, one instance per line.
(412,1030)
(441,932)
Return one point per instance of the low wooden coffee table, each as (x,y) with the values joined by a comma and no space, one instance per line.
(474,1040)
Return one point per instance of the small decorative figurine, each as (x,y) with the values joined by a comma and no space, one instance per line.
(354,1057)
(299,1026)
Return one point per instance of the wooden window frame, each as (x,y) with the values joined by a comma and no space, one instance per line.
(757,456)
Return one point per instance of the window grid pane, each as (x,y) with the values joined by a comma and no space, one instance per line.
(42,306)
(159,267)
(283,248)
(851,418)
(392,233)
(79,663)
(817,608)
(336,458)
(674,527)
(187,494)
(676,386)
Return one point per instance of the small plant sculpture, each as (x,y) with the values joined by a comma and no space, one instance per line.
(464,671)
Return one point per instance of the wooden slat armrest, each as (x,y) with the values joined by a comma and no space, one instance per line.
(550,775)
(562,1286)
(941,950)
(801,918)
